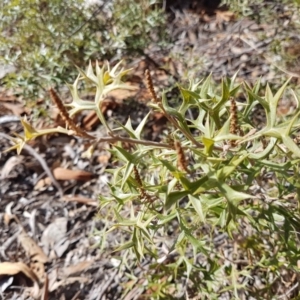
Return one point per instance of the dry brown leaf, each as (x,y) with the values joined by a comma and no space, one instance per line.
(54,236)
(5,97)
(66,174)
(67,281)
(103,158)
(45,291)
(9,217)
(42,183)
(61,247)
(52,278)
(120,95)
(15,268)
(10,164)
(34,251)
(80,199)
(16,109)
(90,121)
(76,269)
(224,16)
(39,269)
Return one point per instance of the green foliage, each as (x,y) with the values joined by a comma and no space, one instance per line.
(260,10)
(45,39)
(215,206)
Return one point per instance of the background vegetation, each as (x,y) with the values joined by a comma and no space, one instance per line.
(44,40)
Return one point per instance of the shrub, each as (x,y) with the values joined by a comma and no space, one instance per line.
(212,209)
(45,39)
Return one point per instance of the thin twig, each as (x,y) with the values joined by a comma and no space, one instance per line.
(42,162)
(286,294)
(76,295)
(107,284)
(8,119)
(96,11)
(116,138)
(8,243)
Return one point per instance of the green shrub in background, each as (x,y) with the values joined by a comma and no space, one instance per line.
(45,39)
(260,10)
(213,209)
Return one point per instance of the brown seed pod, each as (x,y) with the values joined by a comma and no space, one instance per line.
(150,87)
(181,160)
(65,115)
(137,176)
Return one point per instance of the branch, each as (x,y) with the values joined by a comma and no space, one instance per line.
(42,162)
(115,138)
